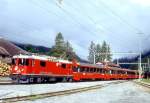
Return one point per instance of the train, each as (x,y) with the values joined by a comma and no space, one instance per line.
(41,69)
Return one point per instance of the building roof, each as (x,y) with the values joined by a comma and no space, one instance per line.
(3,51)
(9,48)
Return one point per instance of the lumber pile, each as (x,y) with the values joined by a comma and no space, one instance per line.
(4,69)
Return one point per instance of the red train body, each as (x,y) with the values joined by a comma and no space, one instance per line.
(33,68)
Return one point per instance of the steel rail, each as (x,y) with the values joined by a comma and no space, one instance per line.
(143,84)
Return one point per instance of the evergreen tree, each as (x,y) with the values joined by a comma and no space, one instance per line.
(62,49)
(70,54)
(58,49)
(98,51)
(103,51)
(109,56)
(92,52)
(59,41)
(31,49)
(68,47)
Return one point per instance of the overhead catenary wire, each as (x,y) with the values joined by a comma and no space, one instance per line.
(121,19)
(89,18)
(76,21)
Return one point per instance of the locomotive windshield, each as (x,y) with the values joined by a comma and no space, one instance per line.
(13,61)
(23,62)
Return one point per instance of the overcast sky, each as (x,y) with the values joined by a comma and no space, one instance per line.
(81,21)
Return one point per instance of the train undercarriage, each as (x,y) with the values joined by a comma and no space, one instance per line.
(17,78)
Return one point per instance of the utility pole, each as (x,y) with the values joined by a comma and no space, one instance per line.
(140,57)
(94,56)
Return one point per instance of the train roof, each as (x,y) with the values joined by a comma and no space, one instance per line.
(42,57)
(103,66)
(91,65)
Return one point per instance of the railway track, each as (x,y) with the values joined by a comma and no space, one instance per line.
(53,94)
(8,82)
(143,84)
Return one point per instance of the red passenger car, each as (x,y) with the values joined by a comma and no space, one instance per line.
(32,68)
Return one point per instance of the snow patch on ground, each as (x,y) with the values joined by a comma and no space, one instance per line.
(23,90)
(119,93)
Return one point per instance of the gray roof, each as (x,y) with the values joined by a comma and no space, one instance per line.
(92,65)
(3,51)
(10,48)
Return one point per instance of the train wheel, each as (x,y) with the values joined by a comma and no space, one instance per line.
(39,80)
(70,80)
(64,79)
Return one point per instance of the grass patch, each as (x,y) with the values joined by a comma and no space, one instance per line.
(32,98)
(146,80)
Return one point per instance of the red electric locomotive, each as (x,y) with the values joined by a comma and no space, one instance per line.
(33,68)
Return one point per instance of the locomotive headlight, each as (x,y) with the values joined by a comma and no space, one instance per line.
(18,71)
(22,69)
(16,68)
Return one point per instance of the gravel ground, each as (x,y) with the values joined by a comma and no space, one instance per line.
(22,90)
(120,93)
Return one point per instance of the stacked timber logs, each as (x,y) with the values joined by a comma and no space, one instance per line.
(4,69)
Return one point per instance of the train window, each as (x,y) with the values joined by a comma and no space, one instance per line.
(107,71)
(100,70)
(27,62)
(74,69)
(94,69)
(42,63)
(78,69)
(82,69)
(97,70)
(124,72)
(20,62)
(13,61)
(88,70)
(104,71)
(110,72)
(33,63)
(23,62)
(91,69)
(113,72)
(63,66)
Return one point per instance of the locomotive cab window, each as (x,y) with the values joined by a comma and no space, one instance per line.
(13,61)
(23,62)
(75,69)
(42,63)
(63,66)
